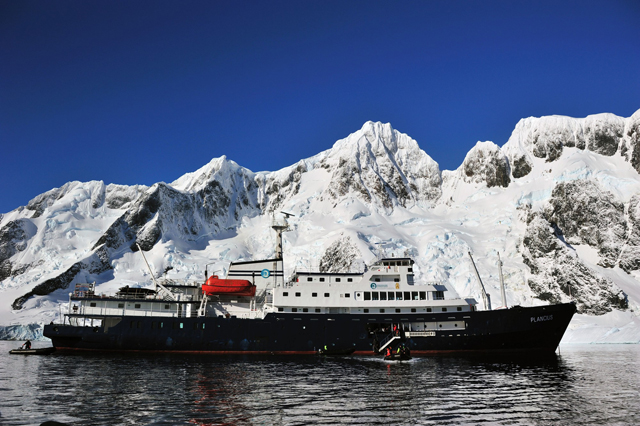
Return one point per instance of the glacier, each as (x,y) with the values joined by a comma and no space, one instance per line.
(559,202)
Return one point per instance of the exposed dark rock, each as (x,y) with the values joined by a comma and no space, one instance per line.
(120,196)
(98,196)
(520,167)
(630,255)
(549,146)
(13,239)
(94,264)
(604,137)
(559,275)
(633,133)
(486,163)
(588,215)
(339,256)
(118,233)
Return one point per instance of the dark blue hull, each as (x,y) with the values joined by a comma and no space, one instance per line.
(532,329)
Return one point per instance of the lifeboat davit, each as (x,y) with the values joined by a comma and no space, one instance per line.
(217,286)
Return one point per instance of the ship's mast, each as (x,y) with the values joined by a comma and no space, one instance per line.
(280,227)
(485,297)
(502,292)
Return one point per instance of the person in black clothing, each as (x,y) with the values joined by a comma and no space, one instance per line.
(27,344)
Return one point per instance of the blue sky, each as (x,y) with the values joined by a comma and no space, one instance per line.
(136,92)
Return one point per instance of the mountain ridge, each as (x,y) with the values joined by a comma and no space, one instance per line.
(374,190)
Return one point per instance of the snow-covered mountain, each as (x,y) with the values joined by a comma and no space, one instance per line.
(559,201)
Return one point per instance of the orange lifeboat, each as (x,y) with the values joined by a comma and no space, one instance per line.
(217,286)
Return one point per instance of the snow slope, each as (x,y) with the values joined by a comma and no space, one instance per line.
(560,202)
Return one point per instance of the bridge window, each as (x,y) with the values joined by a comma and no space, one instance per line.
(377,280)
(414,295)
(383,295)
(374,295)
(398,295)
(407,295)
(367,295)
(392,295)
(423,295)
(397,279)
(405,263)
(438,295)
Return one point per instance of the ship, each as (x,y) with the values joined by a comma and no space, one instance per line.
(255,310)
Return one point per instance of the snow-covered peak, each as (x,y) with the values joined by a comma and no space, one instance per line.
(220,169)
(376,137)
(547,137)
(382,167)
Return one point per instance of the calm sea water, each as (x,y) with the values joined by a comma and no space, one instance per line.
(584,385)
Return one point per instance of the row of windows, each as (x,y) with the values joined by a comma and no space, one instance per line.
(381,310)
(398,310)
(121,305)
(395,295)
(298,294)
(396,263)
(383,295)
(322,279)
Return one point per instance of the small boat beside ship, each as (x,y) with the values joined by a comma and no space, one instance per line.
(254,309)
(33,351)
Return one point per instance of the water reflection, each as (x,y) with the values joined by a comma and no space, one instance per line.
(581,386)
